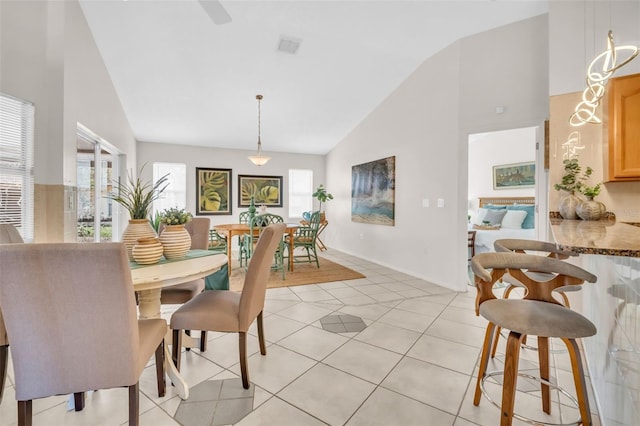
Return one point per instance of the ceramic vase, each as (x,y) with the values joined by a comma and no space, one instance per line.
(568,206)
(590,209)
(136,229)
(176,242)
(147,251)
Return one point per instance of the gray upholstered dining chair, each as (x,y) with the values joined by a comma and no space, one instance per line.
(71,317)
(232,312)
(198,229)
(537,314)
(8,235)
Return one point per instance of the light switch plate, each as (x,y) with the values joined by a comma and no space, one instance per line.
(440,202)
(425,202)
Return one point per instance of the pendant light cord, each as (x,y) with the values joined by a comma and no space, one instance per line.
(259,98)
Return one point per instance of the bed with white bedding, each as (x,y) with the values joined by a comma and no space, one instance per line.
(513,224)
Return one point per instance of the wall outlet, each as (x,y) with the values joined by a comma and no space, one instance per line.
(361,236)
(440,202)
(425,202)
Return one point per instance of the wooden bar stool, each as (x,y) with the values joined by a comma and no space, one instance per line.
(537,314)
(539,248)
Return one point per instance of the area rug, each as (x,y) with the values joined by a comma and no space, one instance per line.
(304,273)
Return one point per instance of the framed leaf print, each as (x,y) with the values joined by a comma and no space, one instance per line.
(265,190)
(213,191)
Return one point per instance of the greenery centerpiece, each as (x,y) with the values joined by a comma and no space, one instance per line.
(574,181)
(137,197)
(174,216)
(571,183)
(175,239)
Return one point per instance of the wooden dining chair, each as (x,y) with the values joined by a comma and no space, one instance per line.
(8,235)
(231,312)
(71,317)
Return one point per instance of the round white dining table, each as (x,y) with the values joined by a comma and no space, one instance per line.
(149,280)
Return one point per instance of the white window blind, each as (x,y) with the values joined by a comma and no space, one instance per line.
(16,164)
(300,190)
(176,193)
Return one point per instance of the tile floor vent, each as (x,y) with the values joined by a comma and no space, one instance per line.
(289,45)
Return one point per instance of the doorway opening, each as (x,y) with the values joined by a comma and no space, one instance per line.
(506,166)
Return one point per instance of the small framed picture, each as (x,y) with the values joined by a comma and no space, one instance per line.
(213,191)
(519,175)
(265,190)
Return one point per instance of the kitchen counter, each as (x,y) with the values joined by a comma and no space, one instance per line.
(603,237)
(611,251)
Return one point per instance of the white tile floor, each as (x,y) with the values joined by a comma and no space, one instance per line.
(414,364)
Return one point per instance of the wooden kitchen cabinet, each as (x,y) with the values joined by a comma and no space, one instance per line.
(622,129)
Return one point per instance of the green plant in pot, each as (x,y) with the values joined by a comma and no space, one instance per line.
(571,183)
(322,196)
(174,216)
(175,239)
(137,197)
(590,209)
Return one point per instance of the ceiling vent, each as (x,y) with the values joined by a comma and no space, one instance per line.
(289,44)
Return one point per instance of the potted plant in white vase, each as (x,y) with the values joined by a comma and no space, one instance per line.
(590,209)
(137,197)
(322,196)
(570,184)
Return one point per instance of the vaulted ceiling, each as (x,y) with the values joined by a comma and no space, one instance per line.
(182,78)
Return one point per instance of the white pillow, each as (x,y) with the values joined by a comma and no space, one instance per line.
(478,217)
(513,219)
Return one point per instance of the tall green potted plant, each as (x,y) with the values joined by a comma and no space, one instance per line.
(322,196)
(137,197)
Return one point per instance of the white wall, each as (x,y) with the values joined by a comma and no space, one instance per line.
(48,56)
(578,32)
(498,148)
(425,123)
(197,156)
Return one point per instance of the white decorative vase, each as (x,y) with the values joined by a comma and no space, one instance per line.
(176,241)
(136,229)
(590,209)
(147,251)
(568,206)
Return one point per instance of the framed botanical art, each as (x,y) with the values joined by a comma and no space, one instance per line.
(213,191)
(265,190)
(514,176)
(373,187)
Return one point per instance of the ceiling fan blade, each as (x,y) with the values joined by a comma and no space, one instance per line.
(216,11)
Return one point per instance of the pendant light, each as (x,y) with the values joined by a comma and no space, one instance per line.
(599,71)
(259,159)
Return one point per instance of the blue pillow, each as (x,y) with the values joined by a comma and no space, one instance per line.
(494,207)
(530,220)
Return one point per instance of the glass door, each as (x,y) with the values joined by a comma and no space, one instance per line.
(94,209)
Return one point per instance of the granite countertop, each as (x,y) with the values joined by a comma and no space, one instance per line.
(597,237)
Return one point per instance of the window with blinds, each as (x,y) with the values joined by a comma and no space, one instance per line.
(175,195)
(16,164)
(300,190)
